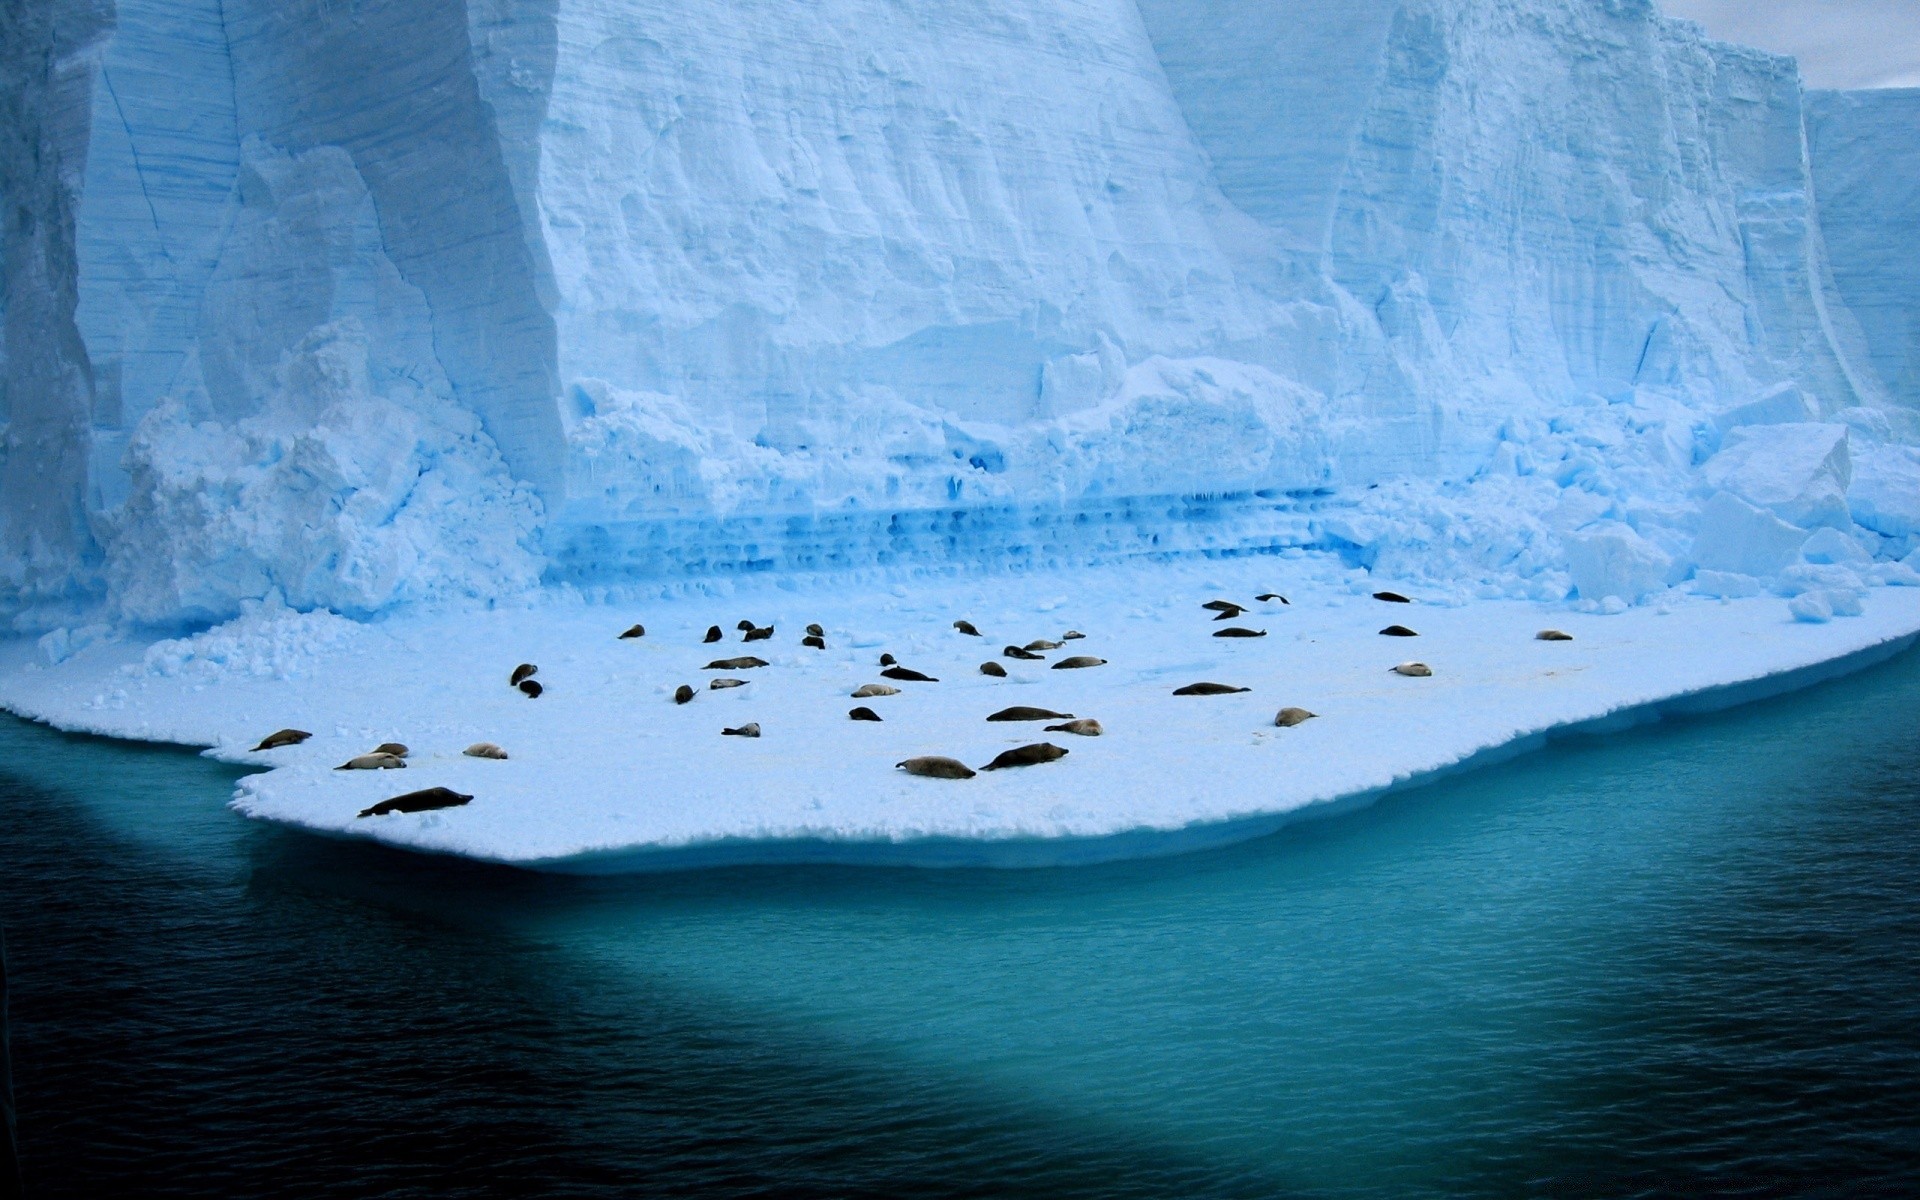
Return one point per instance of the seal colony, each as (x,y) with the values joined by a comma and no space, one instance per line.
(606,762)
(393,755)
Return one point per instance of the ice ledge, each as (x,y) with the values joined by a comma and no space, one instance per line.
(608,775)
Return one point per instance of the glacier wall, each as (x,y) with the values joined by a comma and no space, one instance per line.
(1866,170)
(422,300)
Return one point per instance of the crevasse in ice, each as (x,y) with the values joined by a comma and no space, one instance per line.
(431,300)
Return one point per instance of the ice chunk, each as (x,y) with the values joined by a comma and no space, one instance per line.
(1736,537)
(1812,607)
(1782,404)
(1725,585)
(1832,546)
(1611,559)
(1885,493)
(1800,471)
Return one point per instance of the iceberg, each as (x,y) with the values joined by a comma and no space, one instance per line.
(323,322)
(720,289)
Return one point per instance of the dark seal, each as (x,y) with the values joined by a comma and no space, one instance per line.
(426,800)
(1027,756)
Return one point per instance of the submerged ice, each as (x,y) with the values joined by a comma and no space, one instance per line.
(356,308)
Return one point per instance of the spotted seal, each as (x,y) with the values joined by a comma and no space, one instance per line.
(373,762)
(1085,727)
(934,766)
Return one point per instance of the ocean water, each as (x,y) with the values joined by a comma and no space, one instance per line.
(1680,959)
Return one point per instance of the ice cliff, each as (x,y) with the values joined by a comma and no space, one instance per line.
(430,300)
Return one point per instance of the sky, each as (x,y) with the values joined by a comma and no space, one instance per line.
(1840,43)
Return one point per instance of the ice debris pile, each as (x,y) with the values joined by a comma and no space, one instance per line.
(396,304)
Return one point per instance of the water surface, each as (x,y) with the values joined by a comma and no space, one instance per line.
(1683,958)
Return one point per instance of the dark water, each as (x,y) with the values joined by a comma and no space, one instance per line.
(1685,959)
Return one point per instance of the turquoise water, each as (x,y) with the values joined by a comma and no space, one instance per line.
(1683,958)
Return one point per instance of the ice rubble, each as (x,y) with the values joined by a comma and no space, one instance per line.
(670,290)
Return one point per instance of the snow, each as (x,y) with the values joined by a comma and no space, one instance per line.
(608,773)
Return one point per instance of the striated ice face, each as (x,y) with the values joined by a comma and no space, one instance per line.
(414,300)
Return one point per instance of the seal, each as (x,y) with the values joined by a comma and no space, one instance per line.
(521,674)
(393,748)
(1397,631)
(373,762)
(750,729)
(682,694)
(1079,662)
(532,688)
(816,630)
(721,685)
(864,714)
(713,635)
(485,750)
(967,628)
(868,691)
(760,635)
(1085,727)
(1072,635)
(1553,635)
(1270,597)
(908,675)
(994,669)
(284,737)
(1236,631)
(735,664)
(888,660)
(1021,712)
(1289,717)
(933,766)
(814,641)
(1023,655)
(1026,756)
(1041,644)
(1225,606)
(426,800)
(1392,597)
(1415,669)
(1208,689)
(638,631)
(744,626)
